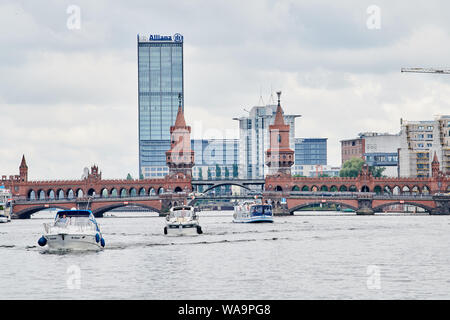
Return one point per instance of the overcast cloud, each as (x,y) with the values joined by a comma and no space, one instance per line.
(68,98)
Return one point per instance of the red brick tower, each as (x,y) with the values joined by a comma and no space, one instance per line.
(279,157)
(23,170)
(180,157)
(435,166)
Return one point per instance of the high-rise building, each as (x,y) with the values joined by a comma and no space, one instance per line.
(160,74)
(419,140)
(254,139)
(211,154)
(310,151)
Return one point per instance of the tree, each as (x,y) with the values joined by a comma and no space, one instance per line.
(227,173)
(351,168)
(377,172)
(129,177)
(218,172)
(235,170)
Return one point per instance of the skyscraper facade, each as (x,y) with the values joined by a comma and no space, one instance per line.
(160,74)
(254,139)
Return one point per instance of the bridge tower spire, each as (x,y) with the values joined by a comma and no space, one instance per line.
(279,157)
(435,166)
(180,157)
(23,169)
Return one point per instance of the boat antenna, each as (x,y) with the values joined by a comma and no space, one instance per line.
(87,205)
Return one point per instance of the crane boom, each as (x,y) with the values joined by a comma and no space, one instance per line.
(426,70)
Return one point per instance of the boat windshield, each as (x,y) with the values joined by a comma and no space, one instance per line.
(182,213)
(258,210)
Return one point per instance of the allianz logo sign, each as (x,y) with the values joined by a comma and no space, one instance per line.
(156,37)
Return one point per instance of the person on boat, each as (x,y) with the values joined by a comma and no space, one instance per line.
(62,221)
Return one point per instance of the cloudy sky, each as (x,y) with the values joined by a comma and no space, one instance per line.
(68,97)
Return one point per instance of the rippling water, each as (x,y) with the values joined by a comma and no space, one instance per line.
(297,257)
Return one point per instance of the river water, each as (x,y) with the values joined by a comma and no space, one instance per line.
(320,256)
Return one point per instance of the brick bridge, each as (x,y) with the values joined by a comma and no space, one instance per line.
(363,203)
(364,193)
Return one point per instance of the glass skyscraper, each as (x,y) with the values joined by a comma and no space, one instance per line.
(160,73)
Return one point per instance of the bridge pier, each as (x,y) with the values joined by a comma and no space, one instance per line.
(442,205)
(365,205)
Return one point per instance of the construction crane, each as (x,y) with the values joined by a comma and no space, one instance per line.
(426,70)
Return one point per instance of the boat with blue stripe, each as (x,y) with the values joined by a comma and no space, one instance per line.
(249,212)
(72,230)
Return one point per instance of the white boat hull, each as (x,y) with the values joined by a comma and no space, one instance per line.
(255,219)
(5,219)
(62,241)
(181,230)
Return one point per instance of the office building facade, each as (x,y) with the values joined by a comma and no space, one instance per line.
(254,139)
(160,81)
(419,141)
(211,154)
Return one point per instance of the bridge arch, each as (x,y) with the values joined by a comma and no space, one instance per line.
(333,189)
(123,192)
(152,192)
(60,194)
(313,202)
(133,192)
(100,211)
(104,193)
(70,194)
(31,194)
(142,192)
(227,184)
(80,193)
(91,192)
(178,189)
(41,194)
(28,212)
(161,190)
(324,188)
(343,188)
(353,188)
(51,194)
(365,189)
(377,189)
(114,193)
(411,203)
(305,188)
(278,188)
(295,188)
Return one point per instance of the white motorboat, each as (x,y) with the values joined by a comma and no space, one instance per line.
(5,205)
(251,212)
(182,220)
(72,230)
